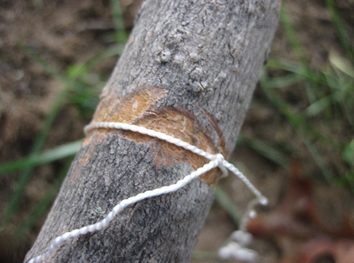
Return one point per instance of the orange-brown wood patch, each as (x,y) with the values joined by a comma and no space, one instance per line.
(138,108)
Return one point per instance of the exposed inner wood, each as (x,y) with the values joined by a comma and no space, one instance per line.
(139,108)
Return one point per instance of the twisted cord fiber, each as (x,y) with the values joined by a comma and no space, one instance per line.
(216,160)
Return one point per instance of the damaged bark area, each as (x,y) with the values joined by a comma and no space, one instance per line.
(188,70)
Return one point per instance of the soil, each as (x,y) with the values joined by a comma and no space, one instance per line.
(69,32)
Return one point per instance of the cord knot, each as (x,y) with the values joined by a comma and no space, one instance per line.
(220,159)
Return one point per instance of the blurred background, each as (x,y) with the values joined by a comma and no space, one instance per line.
(296,144)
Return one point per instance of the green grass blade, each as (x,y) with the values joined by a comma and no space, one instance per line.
(266,150)
(226,202)
(318,106)
(348,154)
(282,82)
(24,177)
(296,68)
(297,120)
(49,68)
(313,91)
(121,35)
(291,35)
(48,156)
(349,180)
(343,38)
(77,70)
(43,204)
(305,132)
(342,96)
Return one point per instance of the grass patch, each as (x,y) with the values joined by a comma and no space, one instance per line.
(328,111)
(82,85)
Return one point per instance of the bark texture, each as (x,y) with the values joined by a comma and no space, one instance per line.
(189,70)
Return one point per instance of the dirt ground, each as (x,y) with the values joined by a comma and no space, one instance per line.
(69,32)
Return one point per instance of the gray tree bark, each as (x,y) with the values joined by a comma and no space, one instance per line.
(189,70)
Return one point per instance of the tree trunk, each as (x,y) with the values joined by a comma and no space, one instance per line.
(188,70)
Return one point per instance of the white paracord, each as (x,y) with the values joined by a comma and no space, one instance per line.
(216,160)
